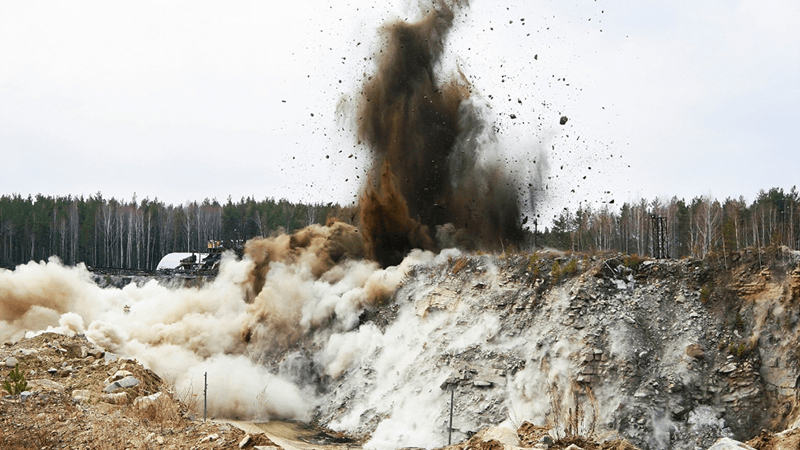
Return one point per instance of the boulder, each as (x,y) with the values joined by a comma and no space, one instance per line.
(118,375)
(129,381)
(245,440)
(120,398)
(42,385)
(209,438)
(81,395)
(77,351)
(145,401)
(24,395)
(504,435)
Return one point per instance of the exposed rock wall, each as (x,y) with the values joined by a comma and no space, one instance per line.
(668,354)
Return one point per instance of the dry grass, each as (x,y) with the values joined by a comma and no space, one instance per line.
(161,413)
(577,420)
(529,434)
(188,397)
(632,261)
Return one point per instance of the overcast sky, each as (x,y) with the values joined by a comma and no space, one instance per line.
(205,99)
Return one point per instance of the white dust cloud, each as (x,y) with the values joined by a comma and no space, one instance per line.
(305,283)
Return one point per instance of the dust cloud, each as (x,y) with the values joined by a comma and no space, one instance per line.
(286,289)
(431,150)
(312,280)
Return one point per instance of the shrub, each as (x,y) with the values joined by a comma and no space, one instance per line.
(742,349)
(558,271)
(632,261)
(705,292)
(571,267)
(555,271)
(162,412)
(738,322)
(535,265)
(16,383)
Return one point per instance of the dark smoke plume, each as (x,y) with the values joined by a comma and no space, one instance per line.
(428,169)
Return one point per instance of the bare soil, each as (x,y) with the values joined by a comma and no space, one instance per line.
(786,440)
(55,416)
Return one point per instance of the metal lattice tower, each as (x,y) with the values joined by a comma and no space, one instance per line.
(659,236)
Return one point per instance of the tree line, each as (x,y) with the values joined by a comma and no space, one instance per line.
(696,228)
(135,234)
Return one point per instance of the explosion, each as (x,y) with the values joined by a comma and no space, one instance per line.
(428,167)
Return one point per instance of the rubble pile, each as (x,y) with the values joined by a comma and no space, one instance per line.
(79,396)
(536,437)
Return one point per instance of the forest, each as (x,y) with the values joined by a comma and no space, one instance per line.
(135,234)
(693,229)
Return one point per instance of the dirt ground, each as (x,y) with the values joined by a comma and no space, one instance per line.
(68,409)
(786,440)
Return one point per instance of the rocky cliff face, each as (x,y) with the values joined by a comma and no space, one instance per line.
(668,354)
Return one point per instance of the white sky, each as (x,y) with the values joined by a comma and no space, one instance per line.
(192,100)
